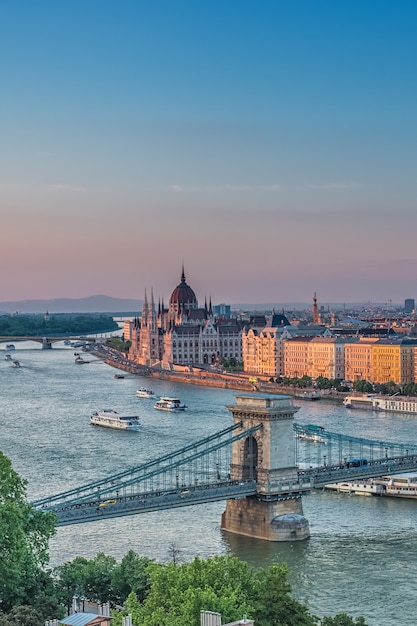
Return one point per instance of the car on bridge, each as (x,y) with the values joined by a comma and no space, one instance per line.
(353,462)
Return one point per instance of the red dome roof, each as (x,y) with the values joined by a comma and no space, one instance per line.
(183,297)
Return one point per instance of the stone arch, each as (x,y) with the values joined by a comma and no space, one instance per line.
(250,459)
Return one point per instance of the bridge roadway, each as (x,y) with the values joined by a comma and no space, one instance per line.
(291,487)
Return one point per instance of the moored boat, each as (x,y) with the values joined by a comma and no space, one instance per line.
(109,418)
(145,393)
(373,402)
(10,346)
(309,395)
(169,404)
(402,486)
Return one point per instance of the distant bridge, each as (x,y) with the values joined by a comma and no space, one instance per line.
(47,339)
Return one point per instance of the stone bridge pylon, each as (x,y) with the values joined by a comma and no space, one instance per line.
(268,457)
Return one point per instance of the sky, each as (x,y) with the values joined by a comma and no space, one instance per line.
(269,146)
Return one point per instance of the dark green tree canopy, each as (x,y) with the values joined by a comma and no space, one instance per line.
(24,541)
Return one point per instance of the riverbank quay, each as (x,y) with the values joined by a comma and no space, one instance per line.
(206,378)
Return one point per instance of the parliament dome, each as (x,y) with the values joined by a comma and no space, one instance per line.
(183,297)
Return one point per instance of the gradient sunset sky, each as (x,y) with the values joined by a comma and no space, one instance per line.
(268,145)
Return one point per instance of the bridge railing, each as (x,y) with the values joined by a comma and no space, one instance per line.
(328,474)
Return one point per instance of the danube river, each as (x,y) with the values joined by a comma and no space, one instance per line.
(362,554)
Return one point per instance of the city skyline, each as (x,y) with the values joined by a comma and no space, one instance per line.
(268,147)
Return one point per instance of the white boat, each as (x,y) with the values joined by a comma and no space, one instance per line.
(10,346)
(313,433)
(7,357)
(110,418)
(309,395)
(169,404)
(312,437)
(79,360)
(15,363)
(145,393)
(403,486)
(397,404)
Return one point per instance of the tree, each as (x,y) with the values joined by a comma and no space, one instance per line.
(363,386)
(131,576)
(272,601)
(24,541)
(222,584)
(179,592)
(22,616)
(342,619)
(174,554)
(99,570)
(71,579)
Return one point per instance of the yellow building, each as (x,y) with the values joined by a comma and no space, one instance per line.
(263,347)
(393,361)
(296,362)
(358,359)
(326,357)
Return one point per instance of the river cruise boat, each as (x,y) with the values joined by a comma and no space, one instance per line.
(372,402)
(169,404)
(109,418)
(403,486)
(145,393)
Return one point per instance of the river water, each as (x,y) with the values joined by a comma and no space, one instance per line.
(362,555)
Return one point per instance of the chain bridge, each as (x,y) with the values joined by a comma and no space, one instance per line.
(261,465)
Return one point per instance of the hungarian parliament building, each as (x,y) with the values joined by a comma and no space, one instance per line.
(184,335)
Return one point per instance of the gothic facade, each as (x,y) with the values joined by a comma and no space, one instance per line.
(183,333)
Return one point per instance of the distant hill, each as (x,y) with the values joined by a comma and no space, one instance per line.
(120,306)
(92,304)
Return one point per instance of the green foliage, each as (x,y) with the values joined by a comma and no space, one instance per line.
(231,365)
(24,541)
(71,579)
(55,325)
(390,388)
(99,572)
(342,620)
(89,578)
(363,386)
(179,593)
(222,584)
(323,383)
(131,576)
(22,616)
(272,601)
(118,344)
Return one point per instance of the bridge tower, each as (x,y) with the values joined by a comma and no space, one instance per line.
(268,457)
